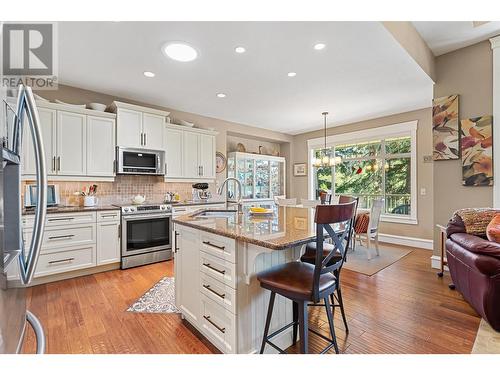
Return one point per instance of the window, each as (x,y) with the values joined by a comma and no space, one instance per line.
(376,163)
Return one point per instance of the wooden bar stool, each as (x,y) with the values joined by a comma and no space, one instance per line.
(303,282)
(310,257)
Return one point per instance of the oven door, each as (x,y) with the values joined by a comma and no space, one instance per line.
(145,233)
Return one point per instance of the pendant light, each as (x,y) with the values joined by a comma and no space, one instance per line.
(325,159)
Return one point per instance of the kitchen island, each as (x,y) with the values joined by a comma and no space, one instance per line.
(216,262)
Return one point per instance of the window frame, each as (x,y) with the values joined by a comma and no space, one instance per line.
(404,129)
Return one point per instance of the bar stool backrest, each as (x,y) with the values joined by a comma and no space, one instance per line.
(341,216)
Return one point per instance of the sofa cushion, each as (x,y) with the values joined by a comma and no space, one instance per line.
(493,229)
(476,219)
(476,244)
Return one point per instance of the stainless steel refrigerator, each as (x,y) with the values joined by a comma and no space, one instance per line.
(17,259)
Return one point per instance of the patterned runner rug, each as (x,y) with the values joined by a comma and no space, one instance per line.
(160,299)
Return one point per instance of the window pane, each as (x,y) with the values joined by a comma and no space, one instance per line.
(323,180)
(398,186)
(358,150)
(360,178)
(399,145)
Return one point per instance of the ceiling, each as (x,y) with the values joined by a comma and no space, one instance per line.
(446,36)
(362,73)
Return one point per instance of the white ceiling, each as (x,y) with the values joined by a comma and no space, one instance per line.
(362,73)
(446,36)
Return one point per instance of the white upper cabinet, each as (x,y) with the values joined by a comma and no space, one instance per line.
(71,143)
(190,153)
(207,155)
(173,152)
(100,146)
(153,127)
(79,144)
(48,125)
(139,127)
(129,128)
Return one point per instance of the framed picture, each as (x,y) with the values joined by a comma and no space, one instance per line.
(445,131)
(300,169)
(477,151)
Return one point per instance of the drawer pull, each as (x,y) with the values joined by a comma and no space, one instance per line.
(207,318)
(223,272)
(61,218)
(207,287)
(61,260)
(208,243)
(103,216)
(61,237)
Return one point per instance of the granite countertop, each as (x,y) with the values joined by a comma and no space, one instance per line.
(69,209)
(286,228)
(196,203)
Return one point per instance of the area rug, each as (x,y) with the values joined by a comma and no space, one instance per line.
(487,340)
(358,261)
(160,299)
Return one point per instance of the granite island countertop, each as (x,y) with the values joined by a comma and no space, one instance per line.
(287,227)
(71,209)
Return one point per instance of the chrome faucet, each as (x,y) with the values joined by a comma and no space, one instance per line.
(240,189)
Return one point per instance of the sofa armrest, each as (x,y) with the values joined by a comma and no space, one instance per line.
(476,244)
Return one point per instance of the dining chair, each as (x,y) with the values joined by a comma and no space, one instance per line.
(304,283)
(286,202)
(309,202)
(368,229)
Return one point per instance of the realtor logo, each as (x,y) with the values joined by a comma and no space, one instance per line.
(29,57)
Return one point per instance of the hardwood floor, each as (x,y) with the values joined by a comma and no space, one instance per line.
(404,308)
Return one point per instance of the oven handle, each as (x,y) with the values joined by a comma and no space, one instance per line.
(140,217)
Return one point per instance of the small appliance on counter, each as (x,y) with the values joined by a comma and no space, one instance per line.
(200,192)
(30,195)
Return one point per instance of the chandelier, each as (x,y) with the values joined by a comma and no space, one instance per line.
(325,157)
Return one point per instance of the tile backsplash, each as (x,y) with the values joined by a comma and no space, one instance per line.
(124,188)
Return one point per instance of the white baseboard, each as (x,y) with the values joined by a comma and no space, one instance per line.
(421,243)
(436,262)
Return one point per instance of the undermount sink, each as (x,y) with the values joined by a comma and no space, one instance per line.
(216,213)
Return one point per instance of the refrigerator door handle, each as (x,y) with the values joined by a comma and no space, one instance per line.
(39,333)
(26,102)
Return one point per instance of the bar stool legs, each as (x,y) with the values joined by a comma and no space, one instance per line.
(295,321)
(268,321)
(330,323)
(304,327)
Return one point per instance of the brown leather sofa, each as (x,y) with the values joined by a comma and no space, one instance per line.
(474,264)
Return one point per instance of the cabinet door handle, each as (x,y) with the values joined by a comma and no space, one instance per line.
(208,243)
(142,143)
(207,287)
(61,260)
(145,139)
(61,237)
(207,318)
(119,231)
(223,272)
(58,163)
(53,164)
(176,247)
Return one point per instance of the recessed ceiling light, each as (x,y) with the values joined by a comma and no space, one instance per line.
(180,51)
(319,46)
(291,74)
(240,49)
(221,95)
(149,74)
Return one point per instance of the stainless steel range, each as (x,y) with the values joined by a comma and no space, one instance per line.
(146,234)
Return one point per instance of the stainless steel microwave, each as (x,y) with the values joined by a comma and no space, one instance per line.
(140,161)
(30,195)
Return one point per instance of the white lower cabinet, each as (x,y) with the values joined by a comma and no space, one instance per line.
(75,241)
(108,238)
(205,285)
